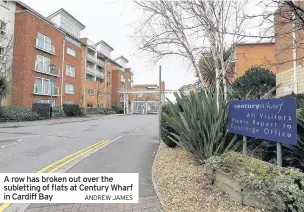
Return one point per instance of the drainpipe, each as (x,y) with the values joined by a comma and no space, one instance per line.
(85,77)
(62,74)
(294,56)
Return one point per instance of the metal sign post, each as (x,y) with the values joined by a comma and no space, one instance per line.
(244,145)
(279,154)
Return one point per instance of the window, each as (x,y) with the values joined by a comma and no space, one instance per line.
(69,27)
(108,73)
(99,93)
(68,102)
(99,105)
(108,83)
(43,64)
(90,105)
(91,91)
(70,71)
(69,88)
(2,28)
(52,102)
(45,43)
(43,86)
(71,52)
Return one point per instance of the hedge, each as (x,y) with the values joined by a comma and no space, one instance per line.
(18,114)
(118,109)
(43,109)
(73,110)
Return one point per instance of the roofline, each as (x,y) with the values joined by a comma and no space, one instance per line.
(261,43)
(102,41)
(123,58)
(36,13)
(56,12)
(108,58)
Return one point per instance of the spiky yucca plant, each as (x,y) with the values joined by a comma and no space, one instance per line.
(201,125)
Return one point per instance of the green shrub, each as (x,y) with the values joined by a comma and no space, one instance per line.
(286,185)
(58,112)
(201,125)
(101,110)
(166,129)
(72,110)
(91,110)
(18,114)
(118,109)
(43,109)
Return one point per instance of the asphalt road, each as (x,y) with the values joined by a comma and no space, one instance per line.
(28,147)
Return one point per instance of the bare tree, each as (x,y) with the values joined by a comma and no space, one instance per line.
(6,61)
(190,28)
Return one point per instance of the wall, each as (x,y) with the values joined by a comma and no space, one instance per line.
(250,55)
(27,27)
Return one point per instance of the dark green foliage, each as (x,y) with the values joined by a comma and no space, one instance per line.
(118,109)
(3,87)
(166,130)
(256,81)
(73,110)
(18,114)
(201,125)
(43,109)
(57,112)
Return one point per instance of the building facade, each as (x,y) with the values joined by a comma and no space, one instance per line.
(248,55)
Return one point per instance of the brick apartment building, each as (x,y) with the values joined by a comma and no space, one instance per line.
(248,55)
(289,61)
(147,96)
(52,63)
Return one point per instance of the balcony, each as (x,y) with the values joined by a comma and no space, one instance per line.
(46,69)
(99,74)
(39,91)
(100,63)
(44,46)
(91,71)
(91,58)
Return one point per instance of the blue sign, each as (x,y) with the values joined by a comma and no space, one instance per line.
(269,119)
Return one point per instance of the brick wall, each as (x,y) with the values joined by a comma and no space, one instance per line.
(27,27)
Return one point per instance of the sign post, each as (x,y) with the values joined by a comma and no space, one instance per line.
(279,154)
(269,119)
(244,145)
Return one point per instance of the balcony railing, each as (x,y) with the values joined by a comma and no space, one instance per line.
(91,71)
(39,91)
(44,46)
(46,69)
(91,58)
(99,74)
(100,63)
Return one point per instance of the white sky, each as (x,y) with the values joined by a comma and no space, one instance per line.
(114,21)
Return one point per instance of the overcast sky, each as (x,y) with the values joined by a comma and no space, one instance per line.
(114,21)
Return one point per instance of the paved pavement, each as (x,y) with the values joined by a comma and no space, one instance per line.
(28,148)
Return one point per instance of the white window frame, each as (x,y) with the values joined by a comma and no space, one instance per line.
(46,62)
(99,93)
(91,93)
(69,90)
(52,102)
(71,52)
(46,43)
(43,92)
(70,27)
(3,26)
(70,71)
